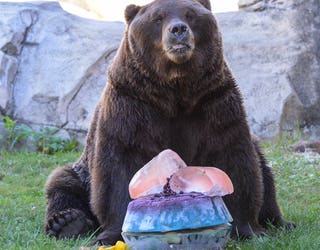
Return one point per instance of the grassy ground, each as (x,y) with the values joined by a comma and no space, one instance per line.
(22,201)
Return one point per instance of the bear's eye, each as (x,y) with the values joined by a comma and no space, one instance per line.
(157,19)
(190,15)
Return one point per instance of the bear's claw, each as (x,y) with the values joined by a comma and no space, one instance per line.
(245,231)
(108,237)
(286,225)
(69,223)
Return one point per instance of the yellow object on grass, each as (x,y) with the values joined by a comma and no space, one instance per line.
(120,245)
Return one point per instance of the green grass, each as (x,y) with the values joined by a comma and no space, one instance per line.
(22,201)
(298,189)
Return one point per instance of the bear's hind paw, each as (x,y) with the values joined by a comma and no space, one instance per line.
(69,223)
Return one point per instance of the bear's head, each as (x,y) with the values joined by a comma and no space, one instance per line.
(173,38)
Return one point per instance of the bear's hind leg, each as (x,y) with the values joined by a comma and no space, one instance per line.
(270,211)
(68,210)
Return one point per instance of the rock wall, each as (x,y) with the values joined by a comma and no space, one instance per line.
(53,65)
(281,38)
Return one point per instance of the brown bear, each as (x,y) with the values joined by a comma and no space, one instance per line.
(168,87)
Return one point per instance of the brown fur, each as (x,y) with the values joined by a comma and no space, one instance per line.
(152,102)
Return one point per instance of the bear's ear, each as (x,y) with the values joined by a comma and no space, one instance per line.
(130,12)
(205,3)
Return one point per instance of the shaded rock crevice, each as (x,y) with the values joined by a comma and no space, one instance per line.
(28,17)
(10,59)
(293,115)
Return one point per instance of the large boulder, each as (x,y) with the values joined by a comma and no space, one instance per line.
(53,65)
(275,57)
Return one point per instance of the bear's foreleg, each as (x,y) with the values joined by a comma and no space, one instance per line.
(110,196)
(246,201)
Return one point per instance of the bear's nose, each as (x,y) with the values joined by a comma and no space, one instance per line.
(178,29)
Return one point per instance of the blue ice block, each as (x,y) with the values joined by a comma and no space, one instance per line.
(176,212)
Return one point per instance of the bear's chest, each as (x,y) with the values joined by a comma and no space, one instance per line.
(188,138)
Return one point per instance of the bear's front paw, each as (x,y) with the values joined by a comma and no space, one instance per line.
(282,223)
(68,223)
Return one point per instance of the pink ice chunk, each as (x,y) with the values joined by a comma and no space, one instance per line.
(210,181)
(153,176)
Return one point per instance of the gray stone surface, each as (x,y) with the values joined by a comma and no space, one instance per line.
(264,51)
(2,132)
(252,5)
(261,5)
(282,90)
(53,65)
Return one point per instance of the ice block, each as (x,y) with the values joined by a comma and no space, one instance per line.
(177,207)
(210,181)
(176,212)
(151,178)
(181,221)
(209,238)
